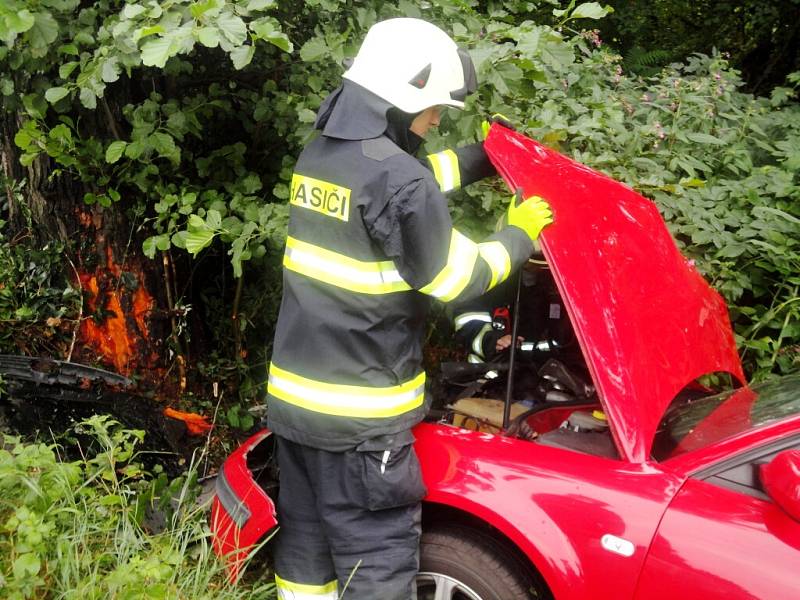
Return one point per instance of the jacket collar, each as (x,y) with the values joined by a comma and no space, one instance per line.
(352,112)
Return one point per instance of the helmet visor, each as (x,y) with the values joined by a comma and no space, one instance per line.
(470,79)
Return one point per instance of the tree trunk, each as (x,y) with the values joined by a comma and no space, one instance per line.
(124,323)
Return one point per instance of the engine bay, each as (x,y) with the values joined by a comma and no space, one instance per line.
(550,398)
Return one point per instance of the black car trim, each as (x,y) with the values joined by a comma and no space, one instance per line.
(235,507)
(746,480)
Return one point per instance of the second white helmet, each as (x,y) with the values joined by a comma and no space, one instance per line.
(413,65)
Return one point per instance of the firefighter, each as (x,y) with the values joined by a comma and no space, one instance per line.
(370,244)
(483,324)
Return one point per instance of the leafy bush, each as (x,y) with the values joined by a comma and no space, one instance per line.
(74,529)
(721,164)
(759,34)
(722,167)
(191,114)
(38,307)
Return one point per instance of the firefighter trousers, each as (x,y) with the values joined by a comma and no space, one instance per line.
(349,521)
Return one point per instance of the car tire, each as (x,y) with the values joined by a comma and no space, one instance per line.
(463,564)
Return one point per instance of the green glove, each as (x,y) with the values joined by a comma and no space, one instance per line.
(531,215)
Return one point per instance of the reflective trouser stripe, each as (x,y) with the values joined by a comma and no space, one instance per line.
(477,342)
(445,170)
(346,400)
(464,318)
(498,259)
(379,277)
(457,271)
(288,590)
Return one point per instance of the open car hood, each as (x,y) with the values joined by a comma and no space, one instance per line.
(646,320)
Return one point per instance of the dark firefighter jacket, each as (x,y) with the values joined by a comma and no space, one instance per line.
(370,242)
(481,321)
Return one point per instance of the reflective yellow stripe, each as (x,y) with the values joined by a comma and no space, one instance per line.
(498,259)
(477,342)
(457,272)
(346,400)
(437,169)
(288,590)
(464,318)
(445,169)
(342,271)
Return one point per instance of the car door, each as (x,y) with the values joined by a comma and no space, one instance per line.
(723,537)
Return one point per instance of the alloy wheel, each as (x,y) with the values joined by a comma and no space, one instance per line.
(435,586)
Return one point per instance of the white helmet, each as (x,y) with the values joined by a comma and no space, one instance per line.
(412,64)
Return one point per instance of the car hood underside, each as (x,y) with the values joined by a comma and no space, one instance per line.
(647,321)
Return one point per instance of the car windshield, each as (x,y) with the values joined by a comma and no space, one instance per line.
(690,424)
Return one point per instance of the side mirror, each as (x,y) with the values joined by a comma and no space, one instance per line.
(781,480)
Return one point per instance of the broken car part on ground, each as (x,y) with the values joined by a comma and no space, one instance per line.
(46,397)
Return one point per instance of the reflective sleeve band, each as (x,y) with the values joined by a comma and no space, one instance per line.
(445,170)
(477,342)
(346,400)
(457,271)
(288,590)
(464,318)
(498,259)
(342,271)
(475,359)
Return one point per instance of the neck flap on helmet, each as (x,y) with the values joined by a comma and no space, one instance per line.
(352,112)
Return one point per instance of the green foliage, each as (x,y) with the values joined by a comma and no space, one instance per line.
(721,164)
(37,304)
(77,528)
(166,159)
(201,108)
(238,417)
(759,35)
(646,62)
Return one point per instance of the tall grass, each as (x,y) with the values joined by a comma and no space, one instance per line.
(77,523)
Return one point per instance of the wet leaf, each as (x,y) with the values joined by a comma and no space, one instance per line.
(26,565)
(196,241)
(242,56)
(115,150)
(55,94)
(208,36)
(156,52)
(590,10)
(232,28)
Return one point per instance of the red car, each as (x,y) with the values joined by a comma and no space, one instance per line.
(616,474)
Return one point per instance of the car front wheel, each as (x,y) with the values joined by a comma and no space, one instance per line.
(462,564)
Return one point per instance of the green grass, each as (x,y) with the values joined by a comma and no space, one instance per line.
(81,528)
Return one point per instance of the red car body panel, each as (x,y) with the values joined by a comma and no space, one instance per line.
(593,527)
(557,505)
(717,543)
(554,504)
(241,512)
(659,325)
(781,479)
